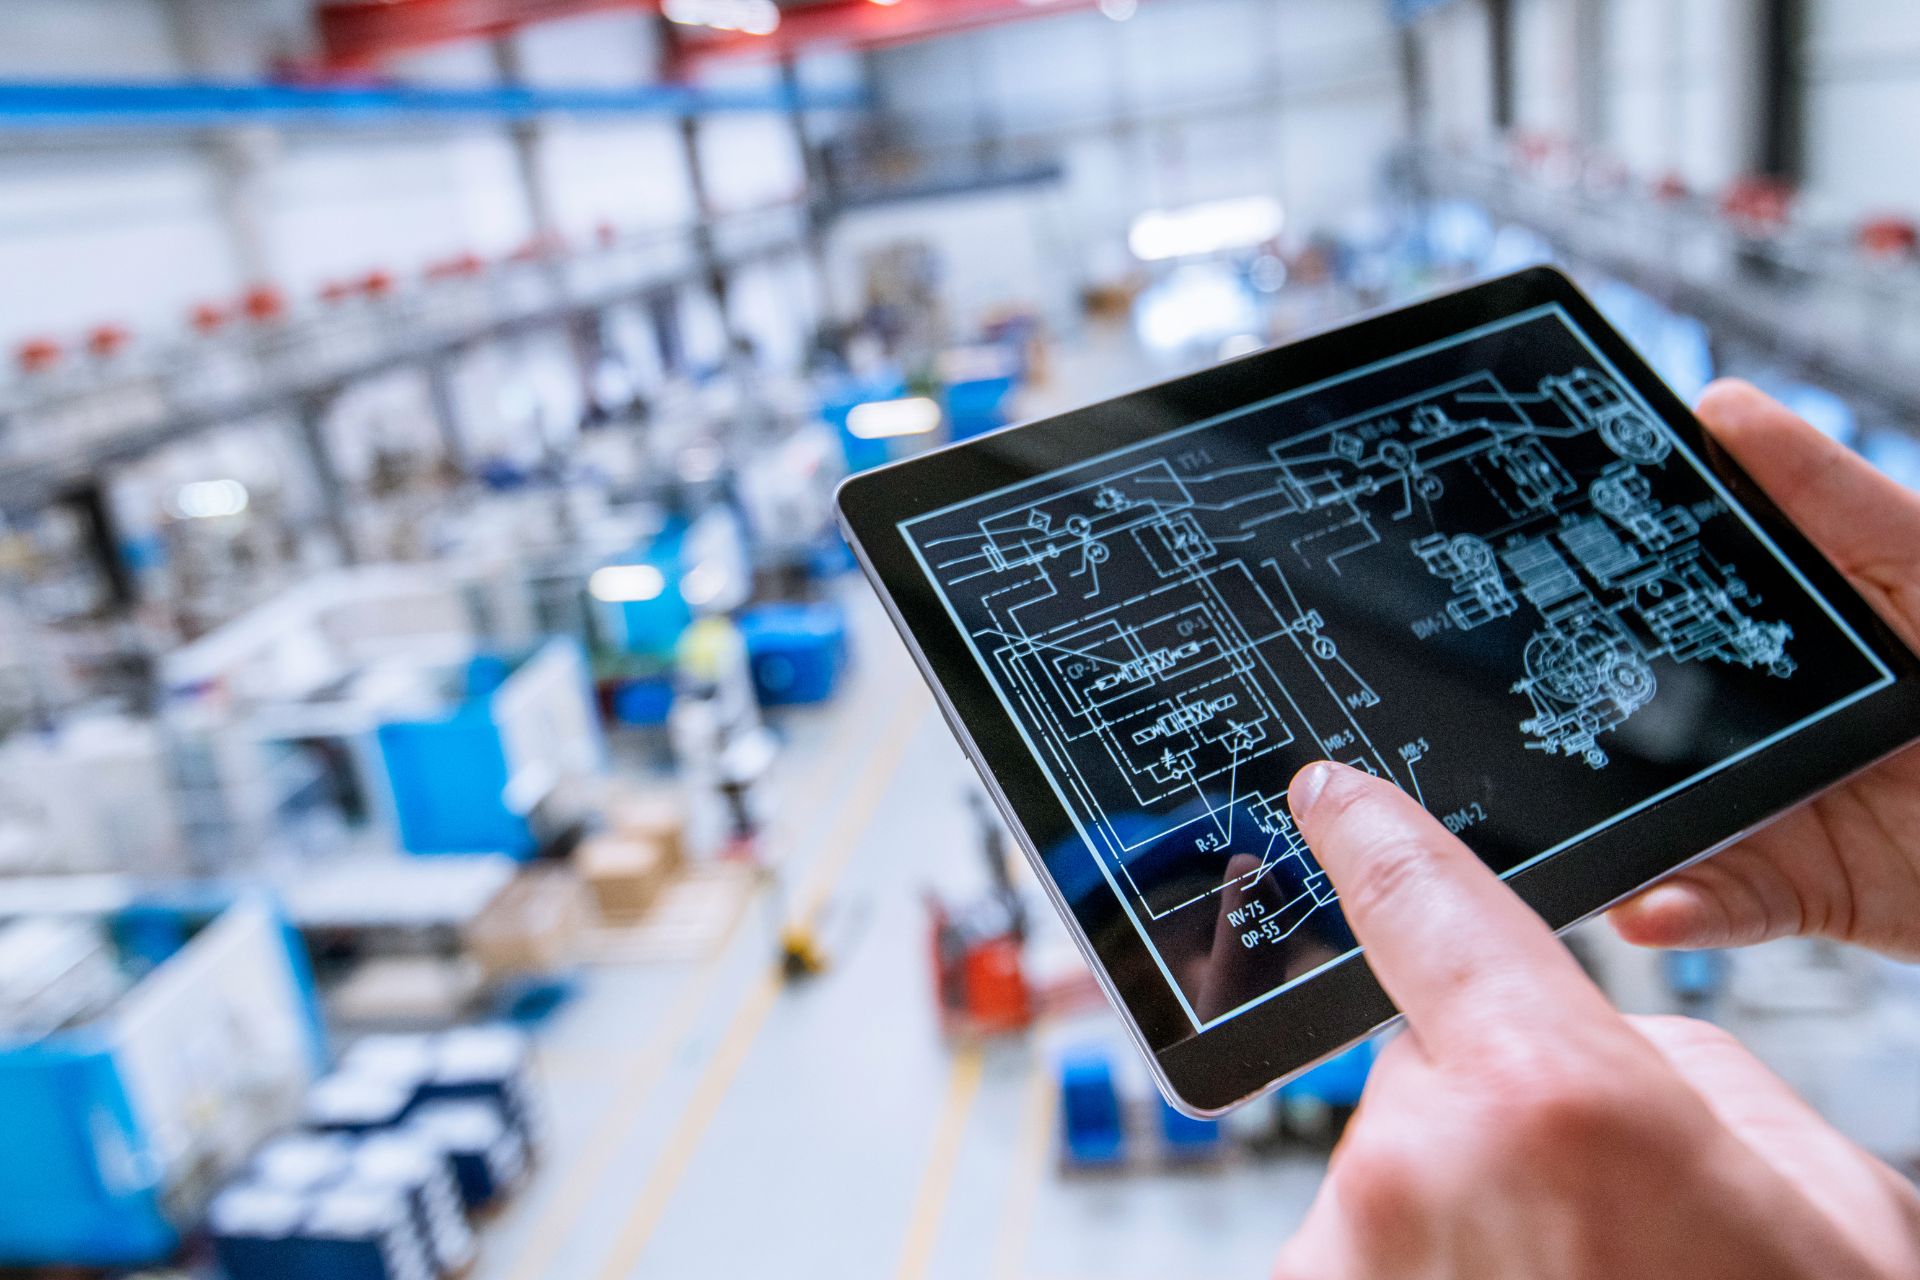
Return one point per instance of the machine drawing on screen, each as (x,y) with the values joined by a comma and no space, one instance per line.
(1175,628)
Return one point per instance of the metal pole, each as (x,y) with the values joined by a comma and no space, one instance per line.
(820,197)
(525,135)
(1589,70)
(446,412)
(89,501)
(1780,149)
(1500,40)
(1413,82)
(704,246)
(310,418)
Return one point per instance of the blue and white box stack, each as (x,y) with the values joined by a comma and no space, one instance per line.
(344,1232)
(487,1153)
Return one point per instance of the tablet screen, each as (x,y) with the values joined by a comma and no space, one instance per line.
(1485,569)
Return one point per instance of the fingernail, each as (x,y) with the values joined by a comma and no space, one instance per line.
(1307,786)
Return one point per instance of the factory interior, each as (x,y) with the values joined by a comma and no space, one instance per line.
(524,847)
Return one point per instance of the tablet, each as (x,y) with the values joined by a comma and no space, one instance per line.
(1473,546)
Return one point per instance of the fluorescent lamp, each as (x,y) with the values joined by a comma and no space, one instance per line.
(626,583)
(885,419)
(762,18)
(1202,229)
(755,17)
(210,499)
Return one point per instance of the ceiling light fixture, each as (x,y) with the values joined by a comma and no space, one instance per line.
(210,499)
(626,583)
(886,419)
(1218,226)
(753,17)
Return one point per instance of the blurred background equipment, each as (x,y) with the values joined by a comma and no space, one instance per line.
(427,660)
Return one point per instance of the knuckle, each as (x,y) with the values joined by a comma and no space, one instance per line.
(1571,1113)
(1555,1097)
(1587,1116)
(1380,1189)
(1387,871)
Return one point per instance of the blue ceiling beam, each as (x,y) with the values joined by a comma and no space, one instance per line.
(165,105)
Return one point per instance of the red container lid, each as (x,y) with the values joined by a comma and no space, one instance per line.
(37,355)
(107,341)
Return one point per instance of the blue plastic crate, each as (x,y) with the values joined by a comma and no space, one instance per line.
(1187,1138)
(797,651)
(1092,1129)
(1337,1082)
(645,701)
(977,406)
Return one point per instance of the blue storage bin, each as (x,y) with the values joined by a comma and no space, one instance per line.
(1187,1138)
(1092,1130)
(977,406)
(1338,1081)
(449,779)
(645,701)
(797,651)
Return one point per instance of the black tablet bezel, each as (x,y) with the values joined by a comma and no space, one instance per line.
(1207,1072)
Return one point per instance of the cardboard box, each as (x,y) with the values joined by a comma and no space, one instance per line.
(654,816)
(623,872)
(407,991)
(535,925)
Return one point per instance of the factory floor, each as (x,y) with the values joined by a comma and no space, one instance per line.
(707,1120)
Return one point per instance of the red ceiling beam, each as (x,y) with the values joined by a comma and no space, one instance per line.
(858,24)
(359,34)
(356,34)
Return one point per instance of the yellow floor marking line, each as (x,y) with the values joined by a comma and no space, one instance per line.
(1039,1113)
(717,1078)
(587,1170)
(930,1202)
(858,811)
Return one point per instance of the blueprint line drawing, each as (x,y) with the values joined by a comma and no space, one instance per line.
(1171,628)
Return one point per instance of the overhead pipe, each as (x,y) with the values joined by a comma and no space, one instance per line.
(37,106)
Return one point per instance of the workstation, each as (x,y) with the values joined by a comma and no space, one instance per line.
(465,807)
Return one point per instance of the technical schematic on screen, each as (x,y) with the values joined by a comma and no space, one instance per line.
(1486,570)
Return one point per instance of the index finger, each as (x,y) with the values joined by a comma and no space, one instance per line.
(1452,946)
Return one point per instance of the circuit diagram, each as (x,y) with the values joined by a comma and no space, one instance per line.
(1180,629)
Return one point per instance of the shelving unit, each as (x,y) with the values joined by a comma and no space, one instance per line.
(1809,296)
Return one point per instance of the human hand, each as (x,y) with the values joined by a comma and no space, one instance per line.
(1846,865)
(1522,1127)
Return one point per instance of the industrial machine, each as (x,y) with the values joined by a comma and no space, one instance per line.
(125,1115)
